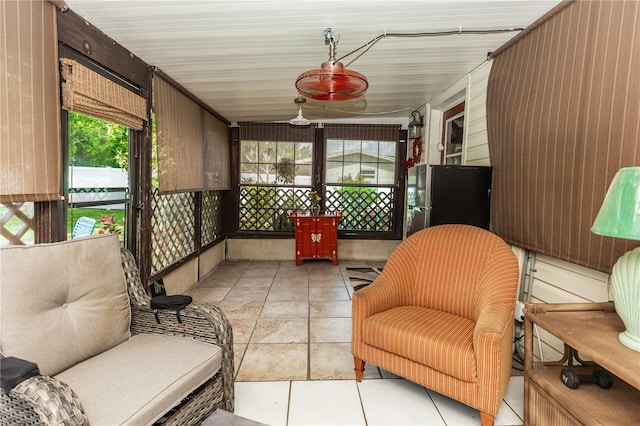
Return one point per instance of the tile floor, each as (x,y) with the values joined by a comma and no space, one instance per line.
(292,334)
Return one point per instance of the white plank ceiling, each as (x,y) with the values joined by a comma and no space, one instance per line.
(242,57)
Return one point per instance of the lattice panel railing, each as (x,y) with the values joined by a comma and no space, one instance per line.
(16,224)
(265,208)
(211,216)
(363,209)
(173,228)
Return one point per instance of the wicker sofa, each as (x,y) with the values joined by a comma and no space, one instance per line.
(79,311)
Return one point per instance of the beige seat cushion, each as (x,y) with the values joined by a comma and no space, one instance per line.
(64,302)
(439,340)
(137,381)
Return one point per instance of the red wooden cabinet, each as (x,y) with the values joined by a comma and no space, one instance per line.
(316,236)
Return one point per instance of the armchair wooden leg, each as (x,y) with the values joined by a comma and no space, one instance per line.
(486,419)
(359,368)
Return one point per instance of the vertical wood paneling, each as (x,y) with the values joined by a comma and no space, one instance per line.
(562,107)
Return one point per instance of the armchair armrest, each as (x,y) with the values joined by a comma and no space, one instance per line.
(493,334)
(378,296)
(393,287)
(494,319)
(390,289)
(492,344)
(41,400)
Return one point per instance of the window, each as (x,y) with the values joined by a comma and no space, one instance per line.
(361,181)
(364,162)
(276,163)
(356,168)
(98,177)
(275,177)
(452,135)
(106,113)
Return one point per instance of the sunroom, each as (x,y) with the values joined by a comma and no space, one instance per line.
(173,125)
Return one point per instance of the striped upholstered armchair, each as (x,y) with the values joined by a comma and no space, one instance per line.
(441,315)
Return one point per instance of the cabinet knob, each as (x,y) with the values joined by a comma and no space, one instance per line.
(316,238)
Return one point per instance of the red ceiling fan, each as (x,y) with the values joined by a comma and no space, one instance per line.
(331,82)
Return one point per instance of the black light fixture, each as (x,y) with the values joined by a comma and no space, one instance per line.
(416,125)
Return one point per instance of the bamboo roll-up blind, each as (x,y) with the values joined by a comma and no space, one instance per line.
(179,133)
(217,157)
(563,115)
(193,144)
(30,153)
(87,92)
(384,132)
(282,132)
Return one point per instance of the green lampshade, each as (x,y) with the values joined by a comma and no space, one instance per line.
(619,215)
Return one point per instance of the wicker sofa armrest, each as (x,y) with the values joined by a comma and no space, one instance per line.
(201,321)
(41,400)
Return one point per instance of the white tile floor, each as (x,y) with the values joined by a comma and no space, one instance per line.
(372,402)
(292,334)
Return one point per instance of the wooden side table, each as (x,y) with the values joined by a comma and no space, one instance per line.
(316,236)
(589,331)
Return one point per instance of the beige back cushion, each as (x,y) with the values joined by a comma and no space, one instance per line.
(62,303)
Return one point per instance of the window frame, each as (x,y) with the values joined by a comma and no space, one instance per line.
(318,184)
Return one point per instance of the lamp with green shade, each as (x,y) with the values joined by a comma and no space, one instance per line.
(619,217)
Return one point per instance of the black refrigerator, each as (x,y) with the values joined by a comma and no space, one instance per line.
(460,194)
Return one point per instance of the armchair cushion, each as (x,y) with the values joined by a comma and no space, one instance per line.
(439,340)
(74,312)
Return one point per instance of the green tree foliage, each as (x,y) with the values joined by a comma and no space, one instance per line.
(355,192)
(285,171)
(97,143)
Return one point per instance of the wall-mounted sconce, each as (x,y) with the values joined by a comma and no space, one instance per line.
(416,125)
